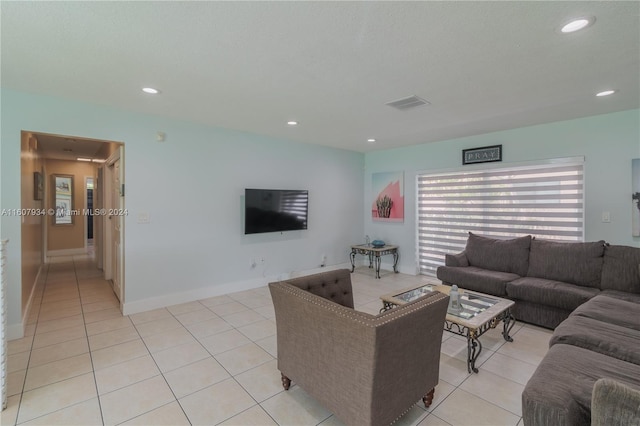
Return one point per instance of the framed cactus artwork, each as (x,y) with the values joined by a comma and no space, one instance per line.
(388,197)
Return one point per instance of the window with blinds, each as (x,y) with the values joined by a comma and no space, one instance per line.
(545,201)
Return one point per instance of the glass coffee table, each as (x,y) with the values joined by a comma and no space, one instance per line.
(481,313)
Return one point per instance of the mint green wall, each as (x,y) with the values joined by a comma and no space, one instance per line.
(608,143)
(192,184)
(192,187)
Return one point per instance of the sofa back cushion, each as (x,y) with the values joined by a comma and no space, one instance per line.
(621,269)
(499,255)
(575,263)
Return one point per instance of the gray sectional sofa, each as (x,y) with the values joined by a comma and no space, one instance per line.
(548,280)
(599,340)
(590,294)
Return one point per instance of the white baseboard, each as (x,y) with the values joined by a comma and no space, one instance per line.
(388,267)
(130,308)
(15,331)
(27,311)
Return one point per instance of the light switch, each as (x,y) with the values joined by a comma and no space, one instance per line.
(143,217)
(606,217)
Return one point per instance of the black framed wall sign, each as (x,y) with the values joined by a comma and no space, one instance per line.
(483,154)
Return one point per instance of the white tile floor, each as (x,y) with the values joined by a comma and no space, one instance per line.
(214,361)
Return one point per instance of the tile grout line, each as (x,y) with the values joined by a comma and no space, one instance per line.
(46,283)
(161,374)
(231,376)
(33,338)
(86,332)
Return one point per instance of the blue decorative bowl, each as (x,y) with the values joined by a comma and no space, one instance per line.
(377,243)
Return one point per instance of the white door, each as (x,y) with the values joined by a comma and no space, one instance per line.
(98,205)
(115,221)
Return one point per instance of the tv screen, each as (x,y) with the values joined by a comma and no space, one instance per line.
(275,210)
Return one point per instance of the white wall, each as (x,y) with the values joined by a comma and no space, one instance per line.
(192,187)
(608,142)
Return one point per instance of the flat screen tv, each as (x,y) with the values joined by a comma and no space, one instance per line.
(275,210)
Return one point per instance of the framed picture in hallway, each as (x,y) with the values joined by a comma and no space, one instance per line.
(63,200)
(38,186)
(63,185)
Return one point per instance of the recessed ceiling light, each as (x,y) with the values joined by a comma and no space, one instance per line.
(371,140)
(578,24)
(292,123)
(150,90)
(606,93)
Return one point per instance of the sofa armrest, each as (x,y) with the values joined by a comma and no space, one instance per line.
(459,259)
(614,404)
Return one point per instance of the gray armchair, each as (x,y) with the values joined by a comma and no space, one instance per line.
(366,369)
(614,404)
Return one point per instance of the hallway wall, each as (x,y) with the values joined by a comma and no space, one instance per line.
(31,225)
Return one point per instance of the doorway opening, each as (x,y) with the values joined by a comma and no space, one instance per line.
(88,233)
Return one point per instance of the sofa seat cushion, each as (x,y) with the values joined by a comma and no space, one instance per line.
(575,263)
(612,310)
(499,255)
(621,269)
(476,279)
(598,336)
(559,392)
(622,295)
(538,314)
(551,293)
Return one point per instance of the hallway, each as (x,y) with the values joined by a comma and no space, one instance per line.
(71,303)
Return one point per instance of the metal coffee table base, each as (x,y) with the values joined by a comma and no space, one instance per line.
(474,346)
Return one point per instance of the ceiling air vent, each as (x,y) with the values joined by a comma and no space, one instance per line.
(407,103)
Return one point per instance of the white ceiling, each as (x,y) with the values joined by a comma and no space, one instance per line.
(332,66)
(57,147)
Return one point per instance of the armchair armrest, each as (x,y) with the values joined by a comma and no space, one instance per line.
(459,259)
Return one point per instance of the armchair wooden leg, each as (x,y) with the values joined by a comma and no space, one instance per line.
(428,398)
(286,382)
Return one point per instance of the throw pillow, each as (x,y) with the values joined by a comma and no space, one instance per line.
(575,263)
(621,269)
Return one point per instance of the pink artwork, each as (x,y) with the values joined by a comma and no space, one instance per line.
(388,197)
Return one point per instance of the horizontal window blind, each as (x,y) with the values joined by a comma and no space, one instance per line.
(294,203)
(545,201)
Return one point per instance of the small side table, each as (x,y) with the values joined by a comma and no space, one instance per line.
(374,253)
